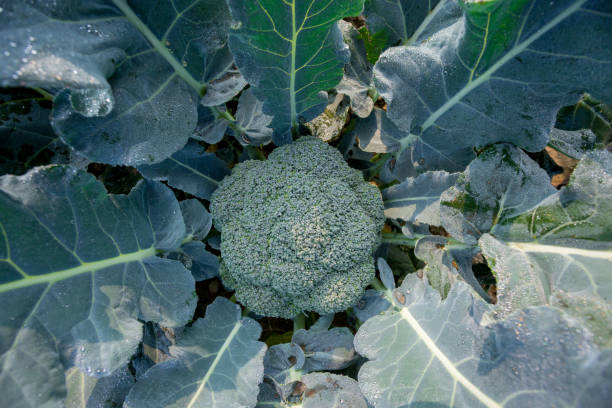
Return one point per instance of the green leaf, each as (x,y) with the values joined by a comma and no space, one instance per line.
(572,143)
(501,183)
(78,271)
(218,363)
(133,72)
(588,114)
(252,125)
(559,250)
(324,390)
(428,352)
(191,169)
(499,72)
(358,72)
(403,21)
(290,52)
(418,199)
(446,263)
(374,43)
(106,392)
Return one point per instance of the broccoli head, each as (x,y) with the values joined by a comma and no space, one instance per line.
(298,231)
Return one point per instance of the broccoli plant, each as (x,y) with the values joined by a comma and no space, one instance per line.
(305,203)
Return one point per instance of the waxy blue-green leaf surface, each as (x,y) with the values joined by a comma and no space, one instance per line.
(446,263)
(501,183)
(252,124)
(133,72)
(405,21)
(194,256)
(290,52)
(428,352)
(78,270)
(560,248)
(218,364)
(499,72)
(91,392)
(211,125)
(418,199)
(191,169)
(572,143)
(357,80)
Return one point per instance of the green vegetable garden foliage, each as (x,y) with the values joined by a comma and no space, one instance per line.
(306,203)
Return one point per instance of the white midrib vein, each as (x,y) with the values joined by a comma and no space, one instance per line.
(560,250)
(192,169)
(485,76)
(211,370)
(85,267)
(159,46)
(292,72)
(446,363)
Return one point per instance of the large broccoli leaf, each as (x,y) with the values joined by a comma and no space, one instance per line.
(133,72)
(290,52)
(426,352)
(559,251)
(78,271)
(544,246)
(500,72)
(218,364)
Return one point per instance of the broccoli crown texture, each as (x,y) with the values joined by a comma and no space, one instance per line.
(298,231)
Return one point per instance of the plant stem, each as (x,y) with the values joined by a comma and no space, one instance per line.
(379,160)
(377,284)
(299,322)
(44,93)
(398,238)
(255,152)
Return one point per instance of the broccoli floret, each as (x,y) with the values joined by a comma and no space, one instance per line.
(298,231)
